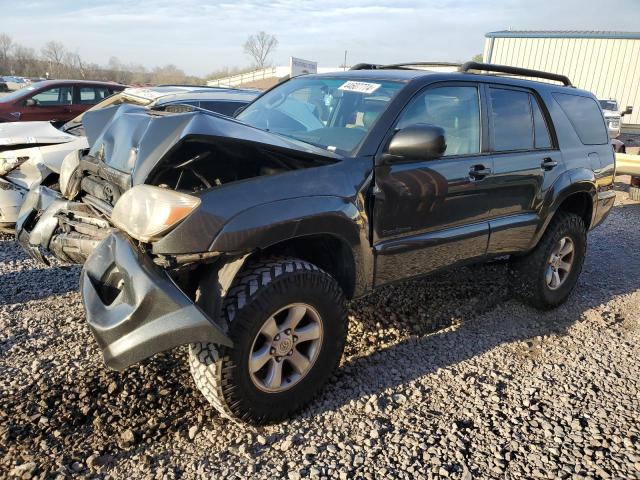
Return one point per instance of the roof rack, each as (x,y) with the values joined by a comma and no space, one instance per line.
(525,72)
(404,65)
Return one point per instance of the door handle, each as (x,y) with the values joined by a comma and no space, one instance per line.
(548,163)
(478,172)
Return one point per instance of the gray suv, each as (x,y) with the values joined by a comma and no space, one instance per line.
(243,238)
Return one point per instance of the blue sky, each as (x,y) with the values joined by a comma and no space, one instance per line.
(201,36)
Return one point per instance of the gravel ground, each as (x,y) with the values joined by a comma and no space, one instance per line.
(442,377)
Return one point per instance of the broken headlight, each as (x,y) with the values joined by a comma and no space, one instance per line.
(146,212)
(69,186)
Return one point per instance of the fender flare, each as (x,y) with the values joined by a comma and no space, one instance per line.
(570,182)
(268,224)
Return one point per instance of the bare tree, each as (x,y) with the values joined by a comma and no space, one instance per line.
(26,61)
(6,45)
(259,47)
(54,53)
(75,65)
(168,74)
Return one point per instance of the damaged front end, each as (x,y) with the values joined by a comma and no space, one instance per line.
(49,222)
(189,152)
(140,278)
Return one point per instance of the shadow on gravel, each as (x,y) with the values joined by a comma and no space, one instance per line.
(37,283)
(606,273)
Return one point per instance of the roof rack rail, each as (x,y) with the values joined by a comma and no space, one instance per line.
(421,64)
(525,72)
(365,66)
(404,65)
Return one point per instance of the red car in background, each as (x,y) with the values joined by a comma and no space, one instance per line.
(56,101)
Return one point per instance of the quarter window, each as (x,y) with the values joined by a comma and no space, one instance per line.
(456,109)
(511,120)
(585,116)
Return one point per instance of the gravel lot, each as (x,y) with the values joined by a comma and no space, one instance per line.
(442,377)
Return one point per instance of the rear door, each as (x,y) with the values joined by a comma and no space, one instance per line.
(433,213)
(526,163)
(86,96)
(53,104)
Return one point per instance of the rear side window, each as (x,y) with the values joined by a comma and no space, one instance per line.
(511,120)
(93,95)
(585,116)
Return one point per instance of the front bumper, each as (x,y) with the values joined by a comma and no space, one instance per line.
(11,198)
(134,308)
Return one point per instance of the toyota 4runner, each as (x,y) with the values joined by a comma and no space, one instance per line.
(243,237)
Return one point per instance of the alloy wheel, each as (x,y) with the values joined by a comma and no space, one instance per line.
(286,348)
(560,263)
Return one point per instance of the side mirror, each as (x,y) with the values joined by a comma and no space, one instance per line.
(30,102)
(421,141)
(628,111)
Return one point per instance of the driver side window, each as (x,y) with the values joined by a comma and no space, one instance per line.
(456,109)
(54,96)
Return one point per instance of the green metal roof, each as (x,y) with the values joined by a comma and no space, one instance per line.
(563,34)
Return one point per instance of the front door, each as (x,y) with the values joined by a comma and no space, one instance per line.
(51,105)
(432,213)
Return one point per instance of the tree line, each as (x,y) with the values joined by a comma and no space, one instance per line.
(54,60)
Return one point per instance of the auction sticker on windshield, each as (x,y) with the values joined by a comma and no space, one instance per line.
(360,87)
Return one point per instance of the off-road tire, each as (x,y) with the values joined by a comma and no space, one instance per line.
(263,287)
(528,271)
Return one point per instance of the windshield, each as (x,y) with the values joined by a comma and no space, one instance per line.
(331,113)
(609,105)
(10,97)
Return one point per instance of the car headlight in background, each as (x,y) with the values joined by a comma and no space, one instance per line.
(70,164)
(146,212)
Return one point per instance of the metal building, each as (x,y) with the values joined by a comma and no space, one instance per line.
(605,63)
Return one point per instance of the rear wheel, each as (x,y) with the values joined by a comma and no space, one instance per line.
(287,320)
(546,276)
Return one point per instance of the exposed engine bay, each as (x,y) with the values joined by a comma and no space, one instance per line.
(200,158)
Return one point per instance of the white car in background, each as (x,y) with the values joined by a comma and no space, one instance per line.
(613,116)
(11,84)
(32,153)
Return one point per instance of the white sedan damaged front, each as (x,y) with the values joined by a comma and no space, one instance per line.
(31,154)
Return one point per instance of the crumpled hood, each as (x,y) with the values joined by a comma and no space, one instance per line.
(134,139)
(31,133)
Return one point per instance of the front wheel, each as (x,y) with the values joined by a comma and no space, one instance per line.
(546,276)
(288,322)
